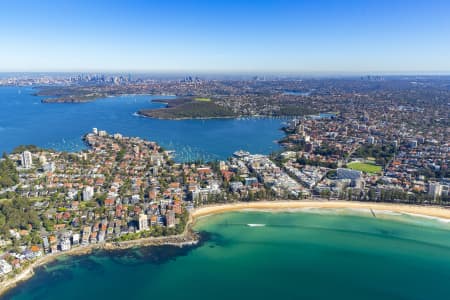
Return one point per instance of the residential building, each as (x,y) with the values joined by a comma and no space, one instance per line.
(143,222)
(65,244)
(26,160)
(170,218)
(88,193)
(435,190)
(5,267)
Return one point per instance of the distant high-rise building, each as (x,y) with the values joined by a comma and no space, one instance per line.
(136,149)
(26,160)
(143,222)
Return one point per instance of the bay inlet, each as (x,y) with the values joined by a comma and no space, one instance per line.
(25,120)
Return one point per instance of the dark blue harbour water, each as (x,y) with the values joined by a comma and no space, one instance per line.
(25,120)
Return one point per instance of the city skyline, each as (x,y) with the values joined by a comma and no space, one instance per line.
(301,37)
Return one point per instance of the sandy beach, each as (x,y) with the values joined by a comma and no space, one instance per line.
(189,238)
(416,210)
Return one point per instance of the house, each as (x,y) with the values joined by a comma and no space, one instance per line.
(109,202)
(236,186)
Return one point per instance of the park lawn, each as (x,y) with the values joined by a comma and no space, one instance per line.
(203,99)
(368,168)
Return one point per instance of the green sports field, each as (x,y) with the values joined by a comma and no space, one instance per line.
(368,168)
(203,99)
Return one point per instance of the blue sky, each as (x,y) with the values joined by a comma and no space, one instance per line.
(226,36)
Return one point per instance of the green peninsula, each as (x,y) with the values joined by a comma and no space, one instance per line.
(188,108)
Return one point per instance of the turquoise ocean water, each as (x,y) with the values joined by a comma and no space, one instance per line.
(297,255)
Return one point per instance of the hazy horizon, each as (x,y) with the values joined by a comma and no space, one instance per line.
(218,73)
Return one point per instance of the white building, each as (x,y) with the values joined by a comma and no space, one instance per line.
(95,131)
(435,190)
(43,159)
(5,267)
(88,193)
(76,238)
(136,149)
(26,160)
(86,235)
(101,236)
(72,194)
(49,167)
(143,222)
(65,244)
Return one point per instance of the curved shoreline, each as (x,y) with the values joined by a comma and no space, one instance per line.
(188,237)
(142,115)
(437,212)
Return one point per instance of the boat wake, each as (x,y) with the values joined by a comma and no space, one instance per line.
(256,225)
